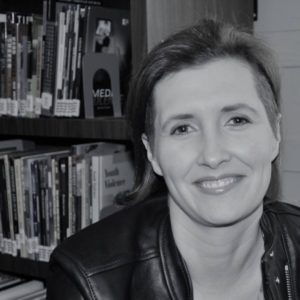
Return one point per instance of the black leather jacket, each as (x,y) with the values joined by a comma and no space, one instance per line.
(132,255)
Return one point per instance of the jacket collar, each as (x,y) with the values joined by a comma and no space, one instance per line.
(174,269)
(275,265)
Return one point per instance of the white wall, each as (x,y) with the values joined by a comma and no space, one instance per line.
(279,24)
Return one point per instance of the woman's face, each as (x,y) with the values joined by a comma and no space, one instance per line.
(213,143)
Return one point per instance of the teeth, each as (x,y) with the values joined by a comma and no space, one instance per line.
(219,183)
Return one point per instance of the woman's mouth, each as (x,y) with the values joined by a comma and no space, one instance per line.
(219,185)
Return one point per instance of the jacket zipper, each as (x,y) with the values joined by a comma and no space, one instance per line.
(287,272)
(288,282)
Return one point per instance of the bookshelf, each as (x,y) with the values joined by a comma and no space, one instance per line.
(23,266)
(108,128)
(151,21)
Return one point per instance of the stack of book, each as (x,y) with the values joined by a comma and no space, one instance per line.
(16,288)
(49,194)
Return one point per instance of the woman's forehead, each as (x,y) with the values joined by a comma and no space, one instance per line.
(219,80)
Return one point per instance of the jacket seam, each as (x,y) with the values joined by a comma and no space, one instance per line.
(116,263)
(122,262)
(162,260)
(84,275)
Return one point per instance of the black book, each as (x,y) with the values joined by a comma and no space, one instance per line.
(63,196)
(4,203)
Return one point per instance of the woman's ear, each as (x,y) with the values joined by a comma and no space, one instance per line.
(277,137)
(150,155)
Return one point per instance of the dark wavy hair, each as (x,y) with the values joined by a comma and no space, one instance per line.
(206,41)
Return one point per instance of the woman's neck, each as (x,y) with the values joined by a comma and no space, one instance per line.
(220,259)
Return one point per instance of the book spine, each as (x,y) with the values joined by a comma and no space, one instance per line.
(87,189)
(21,208)
(95,188)
(28,205)
(68,52)
(74,51)
(49,187)
(50,53)
(76,172)
(17,69)
(30,67)
(37,236)
(45,206)
(40,66)
(23,44)
(14,204)
(60,55)
(77,87)
(55,197)
(11,109)
(13,248)
(4,209)
(34,96)
(72,216)
(3,109)
(84,203)
(14,31)
(63,197)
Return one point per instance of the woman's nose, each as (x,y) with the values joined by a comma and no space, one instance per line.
(214,151)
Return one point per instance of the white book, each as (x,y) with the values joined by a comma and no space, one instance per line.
(113,174)
(20,205)
(37,295)
(60,53)
(21,290)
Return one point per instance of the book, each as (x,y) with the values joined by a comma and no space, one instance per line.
(35,190)
(101,83)
(26,240)
(33,99)
(63,175)
(68,19)
(8,209)
(12,107)
(49,70)
(3,93)
(113,175)
(36,295)
(8,280)
(82,177)
(5,209)
(108,32)
(24,45)
(16,145)
(54,199)
(22,289)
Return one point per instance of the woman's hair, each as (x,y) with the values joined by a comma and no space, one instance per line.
(206,41)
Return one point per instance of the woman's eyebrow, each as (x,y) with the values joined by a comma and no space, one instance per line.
(238,106)
(177,117)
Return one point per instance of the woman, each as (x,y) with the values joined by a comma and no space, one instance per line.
(204,116)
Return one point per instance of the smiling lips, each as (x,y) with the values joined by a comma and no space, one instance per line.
(219,185)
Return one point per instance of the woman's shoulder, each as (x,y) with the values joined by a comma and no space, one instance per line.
(284,214)
(122,237)
(282,208)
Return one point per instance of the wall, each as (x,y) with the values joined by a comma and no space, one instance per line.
(153,20)
(279,24)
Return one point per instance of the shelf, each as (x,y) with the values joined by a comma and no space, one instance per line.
(23,266)
(107,128)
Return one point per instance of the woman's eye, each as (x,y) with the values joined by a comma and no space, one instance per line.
(181,130)
(238,121)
